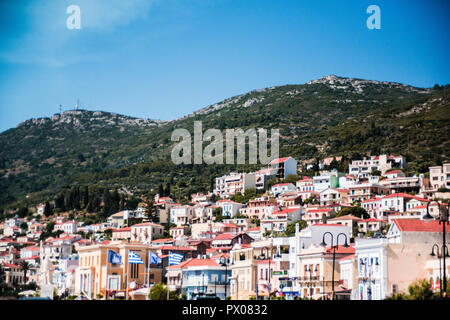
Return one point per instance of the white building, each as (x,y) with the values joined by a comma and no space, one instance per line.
(363,168)
(228,185)
(181,215)
(229,208)
(284,166)
(282,188)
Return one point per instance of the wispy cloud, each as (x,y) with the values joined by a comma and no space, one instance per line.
(45,40)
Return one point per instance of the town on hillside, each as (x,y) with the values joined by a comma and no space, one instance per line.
(370,233)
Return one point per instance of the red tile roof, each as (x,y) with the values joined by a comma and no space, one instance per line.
(347,257)
(418,225)
(286,211)
(197,263)
(162,240)
(372,220)
(123,229)
(176,248)
(341,249)
(226,236)
(318,210)
(346,217)
(8,265)
(281,184)
(279,160)
(147,224)
(371,200)
(405,195)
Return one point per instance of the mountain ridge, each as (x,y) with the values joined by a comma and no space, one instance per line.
(315,120)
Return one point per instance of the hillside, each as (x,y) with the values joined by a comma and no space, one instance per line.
(328,116)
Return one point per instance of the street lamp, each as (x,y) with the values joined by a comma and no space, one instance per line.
(225,264)
(443,219)
(334,247)
(440,255)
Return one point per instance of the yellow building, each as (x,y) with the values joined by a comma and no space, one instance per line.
(95,276)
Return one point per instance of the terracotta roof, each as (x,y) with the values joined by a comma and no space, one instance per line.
(176,248)
(8,265)
(162,240)
(418,225)
(372,220)
(286,211)
(200,263)
(254,229)
(279,160)
(34,248)
(328,225)
(371,200)
(226,236)
(347,257)
(346,217)
(147,224)
(281,184)
(318,210)
(342,249)
(405,195)
(32,258)
(123,229)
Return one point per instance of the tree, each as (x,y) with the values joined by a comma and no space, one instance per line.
(356,211)
(22,212)
(24,226)
(376,173)
(420,290)
(158,292)
(290,228)
(292,178)
(25,267)
(48,211)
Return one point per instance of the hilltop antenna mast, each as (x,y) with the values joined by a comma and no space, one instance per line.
(60,108)
(78,102)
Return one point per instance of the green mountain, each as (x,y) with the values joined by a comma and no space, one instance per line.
(325,117)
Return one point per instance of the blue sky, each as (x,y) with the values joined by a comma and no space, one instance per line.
(162,59)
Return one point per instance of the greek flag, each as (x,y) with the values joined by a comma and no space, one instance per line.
(154,259)
(114,257)
(175,258)
(133,257)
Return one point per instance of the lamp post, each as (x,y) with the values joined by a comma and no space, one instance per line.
(225,264)
(334,247)
(441,254)
(443,219)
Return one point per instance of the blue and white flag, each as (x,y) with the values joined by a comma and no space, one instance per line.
(114,257)
(175,258)
(154,259)
(133,257)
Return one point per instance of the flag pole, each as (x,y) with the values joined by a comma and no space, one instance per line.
(126,274)
(106,289)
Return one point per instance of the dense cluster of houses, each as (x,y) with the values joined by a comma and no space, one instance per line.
(289,241)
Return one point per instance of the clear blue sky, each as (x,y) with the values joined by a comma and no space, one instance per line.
(162,59)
